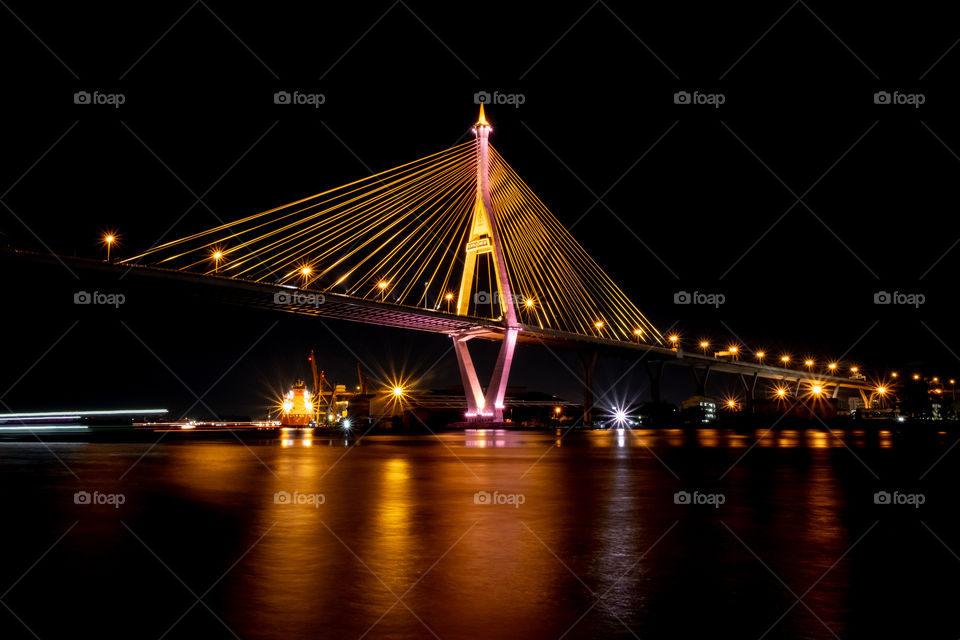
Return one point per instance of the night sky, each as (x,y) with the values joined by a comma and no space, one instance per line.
(798,198)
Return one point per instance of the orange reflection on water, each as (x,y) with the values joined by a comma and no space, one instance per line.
(708,437)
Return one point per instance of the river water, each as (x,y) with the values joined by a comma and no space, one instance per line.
(650,534)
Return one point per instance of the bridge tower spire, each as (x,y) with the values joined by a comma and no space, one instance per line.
(485,238)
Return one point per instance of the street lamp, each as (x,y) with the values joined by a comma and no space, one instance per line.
(598,324)
(108,240)
(383,289)
(881,393)
(217,256)
(448,298)
(305,272)
(785,360)
(639,334)
(674,340)
(734,350)
(760,356)
(704,344)
(808,363)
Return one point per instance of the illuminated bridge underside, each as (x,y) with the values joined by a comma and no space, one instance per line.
(338,307)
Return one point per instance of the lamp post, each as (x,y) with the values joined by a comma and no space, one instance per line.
(108,240)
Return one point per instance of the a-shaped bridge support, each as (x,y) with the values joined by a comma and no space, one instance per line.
(485,407)
(484,238)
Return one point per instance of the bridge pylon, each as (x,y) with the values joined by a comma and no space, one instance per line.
(484,238)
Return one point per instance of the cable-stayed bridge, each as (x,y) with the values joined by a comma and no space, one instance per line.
(454,243)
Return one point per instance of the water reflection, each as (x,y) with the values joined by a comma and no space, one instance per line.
(482,438)
(399,519)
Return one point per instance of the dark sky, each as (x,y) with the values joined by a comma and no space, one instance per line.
(694,198)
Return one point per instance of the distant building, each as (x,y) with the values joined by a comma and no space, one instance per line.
(699,410)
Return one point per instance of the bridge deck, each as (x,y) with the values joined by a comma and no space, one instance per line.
(343,307)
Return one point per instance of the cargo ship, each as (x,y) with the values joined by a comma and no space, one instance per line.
(297,407)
